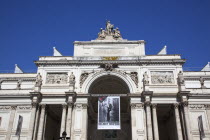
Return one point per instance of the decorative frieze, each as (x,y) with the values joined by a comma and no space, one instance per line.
(56,78)
(162,77)
(137,105)
(197,106)
(24,107)
(5,107)
(80,106)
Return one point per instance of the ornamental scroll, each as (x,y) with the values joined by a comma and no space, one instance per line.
(57,78)
(162,77)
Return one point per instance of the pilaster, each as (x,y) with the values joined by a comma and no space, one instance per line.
(137,119)
(178,123)
(184,100)
(80,119)
(11,121)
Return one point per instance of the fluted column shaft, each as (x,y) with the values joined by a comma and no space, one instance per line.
(149,122)
(32,122)
(178,123)
(41,123)
(68,120)
(11,121)
(63,121)
(155,122)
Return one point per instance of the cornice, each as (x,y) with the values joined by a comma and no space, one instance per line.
(109,42)
(119,62)
(5,79)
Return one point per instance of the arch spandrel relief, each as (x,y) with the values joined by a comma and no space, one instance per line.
(130,79)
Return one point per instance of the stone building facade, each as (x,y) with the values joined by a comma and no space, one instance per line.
(158,100)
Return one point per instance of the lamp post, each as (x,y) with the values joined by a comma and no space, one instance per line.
(64,136)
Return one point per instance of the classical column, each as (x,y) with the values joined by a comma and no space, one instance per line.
(155,122)
(68,120)
(36,123)
(178,123)
(187,121)
(149,121)
(41,122)
(63,121)
(11,121)
(32,121)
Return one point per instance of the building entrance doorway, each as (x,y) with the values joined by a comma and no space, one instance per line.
(166,122)
(53,122)
(114,86)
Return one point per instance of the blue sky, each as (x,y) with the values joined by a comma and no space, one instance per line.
(30,28)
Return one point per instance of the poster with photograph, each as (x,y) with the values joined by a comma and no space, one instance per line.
(109,112)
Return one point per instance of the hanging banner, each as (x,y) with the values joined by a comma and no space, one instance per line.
(19,126)
(200,127)
(109,112)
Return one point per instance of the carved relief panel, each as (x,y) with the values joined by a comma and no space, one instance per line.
(56,78)
(162,77)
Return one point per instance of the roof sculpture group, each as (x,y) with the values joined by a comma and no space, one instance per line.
(109,32)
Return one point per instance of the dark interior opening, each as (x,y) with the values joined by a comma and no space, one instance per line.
(53,122)
(166,122)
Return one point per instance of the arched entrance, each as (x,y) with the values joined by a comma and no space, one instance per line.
(109,84)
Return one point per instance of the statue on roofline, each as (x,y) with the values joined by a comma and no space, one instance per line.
(109,32)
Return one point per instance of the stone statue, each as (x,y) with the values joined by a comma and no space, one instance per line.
(109,32)
(18,84)
(117,33)
(146,78)
(180,78)
(202,82)
(109,27)
(72,79)
(1,83)
(102,34)
(38,82)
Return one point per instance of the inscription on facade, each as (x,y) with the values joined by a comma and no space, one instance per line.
(162,77)
(57,78)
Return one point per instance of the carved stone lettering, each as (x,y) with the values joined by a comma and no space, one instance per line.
(57,78)
(162,77)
